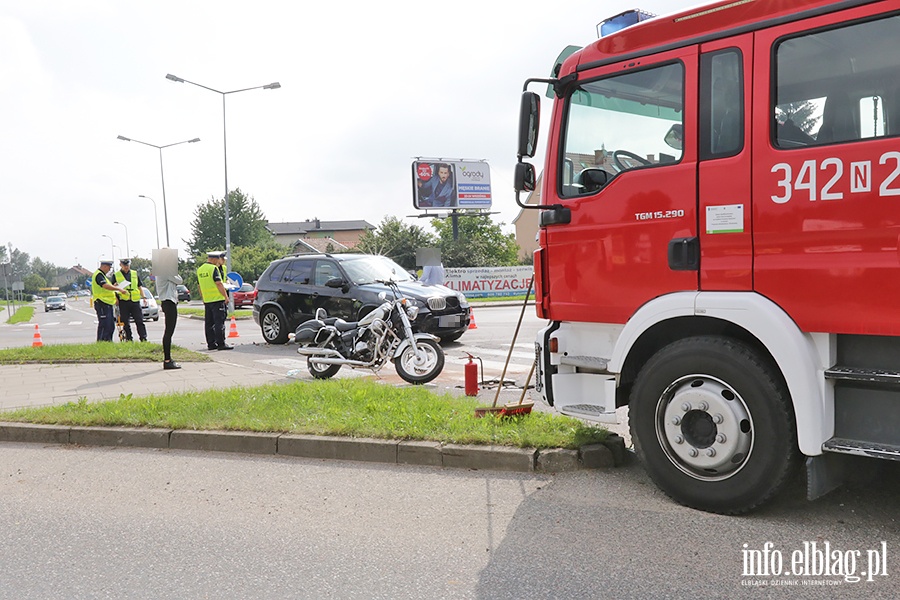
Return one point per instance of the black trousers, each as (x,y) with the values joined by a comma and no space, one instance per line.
(130,308)
(106,321)
(170,310)
(215,324)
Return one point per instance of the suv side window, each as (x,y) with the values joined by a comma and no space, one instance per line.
(325,270)
(277,273)
(300,272)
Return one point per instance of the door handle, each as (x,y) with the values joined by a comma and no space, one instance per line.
(684,254)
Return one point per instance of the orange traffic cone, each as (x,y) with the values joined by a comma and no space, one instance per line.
(37,343)
(232,333)
(472,324)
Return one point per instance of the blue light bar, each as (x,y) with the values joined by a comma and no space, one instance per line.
(621,21)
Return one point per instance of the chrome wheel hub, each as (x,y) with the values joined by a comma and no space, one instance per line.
(704,427)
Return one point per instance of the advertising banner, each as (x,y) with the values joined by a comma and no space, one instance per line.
(489,282)
(451,184)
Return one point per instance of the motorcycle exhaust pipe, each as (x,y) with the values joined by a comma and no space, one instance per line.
(319,352)
(342,361)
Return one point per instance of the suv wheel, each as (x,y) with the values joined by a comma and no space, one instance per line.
(273,326)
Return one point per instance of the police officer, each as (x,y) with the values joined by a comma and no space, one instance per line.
(130,301)
(104,295)
(215,296)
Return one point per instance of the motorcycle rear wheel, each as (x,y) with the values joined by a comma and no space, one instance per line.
(422,371)
(320,371)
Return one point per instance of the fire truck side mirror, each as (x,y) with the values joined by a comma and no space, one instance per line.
(529,123)
(524,177)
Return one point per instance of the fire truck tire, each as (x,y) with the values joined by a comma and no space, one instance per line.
(712,422)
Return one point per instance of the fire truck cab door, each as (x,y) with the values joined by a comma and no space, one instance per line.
(725,205)
(627,172)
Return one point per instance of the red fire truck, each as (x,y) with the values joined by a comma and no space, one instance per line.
(720,242)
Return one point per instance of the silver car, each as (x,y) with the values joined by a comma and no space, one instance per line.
(149,306)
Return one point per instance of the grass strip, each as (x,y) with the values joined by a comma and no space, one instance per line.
(342,407)
(23,314)
(96,353)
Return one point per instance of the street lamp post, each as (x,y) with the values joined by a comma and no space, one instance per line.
(155,218)
(111,246)
(127,247)
(161,175)
(270,86)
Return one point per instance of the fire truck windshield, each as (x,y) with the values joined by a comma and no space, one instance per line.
(623,122)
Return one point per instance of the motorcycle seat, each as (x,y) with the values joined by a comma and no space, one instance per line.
(342,325)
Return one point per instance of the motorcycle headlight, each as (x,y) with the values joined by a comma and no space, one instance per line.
(412,312)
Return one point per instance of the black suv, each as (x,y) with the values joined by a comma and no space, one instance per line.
(292,288)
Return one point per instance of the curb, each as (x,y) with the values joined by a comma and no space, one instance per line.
(436,454)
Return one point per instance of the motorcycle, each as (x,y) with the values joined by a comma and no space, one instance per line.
(383,334)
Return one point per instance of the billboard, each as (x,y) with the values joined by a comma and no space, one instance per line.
(451,184)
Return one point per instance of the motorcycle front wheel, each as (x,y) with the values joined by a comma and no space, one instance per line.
(420,370)
(320,371)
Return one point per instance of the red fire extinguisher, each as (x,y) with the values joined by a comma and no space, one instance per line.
(471,370)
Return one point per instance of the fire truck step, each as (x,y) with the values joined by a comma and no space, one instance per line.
(864,375)
(585,362)
(861,448)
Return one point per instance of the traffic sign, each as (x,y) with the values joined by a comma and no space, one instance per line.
(233,281)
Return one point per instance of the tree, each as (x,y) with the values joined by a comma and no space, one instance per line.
(800,114)
(47,270)
(20,264)
(397,240)
(251,261)
(481,243)
(248,261)
(247,224)
(33,283)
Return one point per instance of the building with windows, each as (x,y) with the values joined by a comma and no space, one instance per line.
(314,235)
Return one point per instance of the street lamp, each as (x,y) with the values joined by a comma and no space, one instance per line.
(155,218)
(162,176)
(111,246)
(270,86)
(127,247)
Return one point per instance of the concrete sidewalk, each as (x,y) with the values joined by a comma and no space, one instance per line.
(43,385)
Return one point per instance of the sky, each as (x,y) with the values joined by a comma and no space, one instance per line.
(366,88)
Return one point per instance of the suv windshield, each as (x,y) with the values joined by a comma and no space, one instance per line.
(369,269)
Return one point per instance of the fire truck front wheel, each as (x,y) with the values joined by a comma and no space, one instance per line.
(713,424)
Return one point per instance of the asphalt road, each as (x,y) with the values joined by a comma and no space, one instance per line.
(128,523)
(490,340)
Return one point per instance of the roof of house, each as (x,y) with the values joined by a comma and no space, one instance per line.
(318,245)
(302,227)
